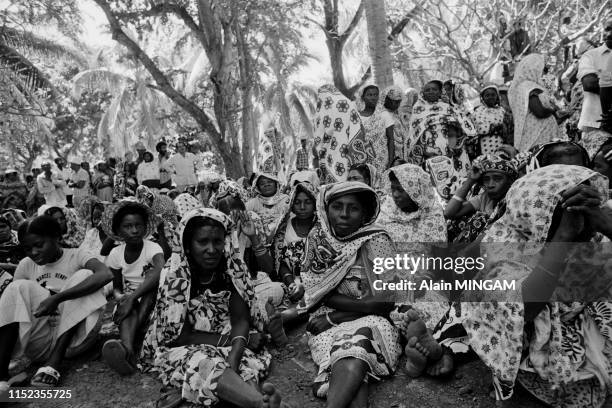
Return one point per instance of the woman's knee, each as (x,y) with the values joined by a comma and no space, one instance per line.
(351,366)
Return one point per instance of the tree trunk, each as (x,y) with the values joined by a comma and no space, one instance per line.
(378,42)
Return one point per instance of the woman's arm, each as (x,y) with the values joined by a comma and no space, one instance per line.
(536,107)
(101,276)
(390,133)
(239,318)
(189,336)
(457,207)
(151,281)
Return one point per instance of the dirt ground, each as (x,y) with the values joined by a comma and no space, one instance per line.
(95,385)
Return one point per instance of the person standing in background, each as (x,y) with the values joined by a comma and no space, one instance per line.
(183,164)
(65,173)
(51,186)
(80,182)
(165,177)
(302,157)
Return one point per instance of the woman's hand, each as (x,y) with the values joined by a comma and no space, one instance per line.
(245,223)
(580,198)
(318,325)
(296,291)
(570,227)
(47,307)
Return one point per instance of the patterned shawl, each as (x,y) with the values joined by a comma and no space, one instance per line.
(339,138)
(163,206)
(279,249)
(329,258)
(86,208)
(185,202)
(174,291)
(495,328)
(489,121)
(427,223)
(73,238)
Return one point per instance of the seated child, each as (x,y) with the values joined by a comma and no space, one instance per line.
(136,265)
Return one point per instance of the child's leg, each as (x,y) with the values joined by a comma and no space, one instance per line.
(145,307)
(8,340)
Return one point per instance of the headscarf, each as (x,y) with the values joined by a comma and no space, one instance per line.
(410,98)
(328,257)
(111,211)
(174,292)
(235,190)
(73,238)
(509,247)
(535,161)
(278,243)
(268,201)
(86,208)
(427,223)
(185,202)
(339,139)
(400,129)
(489,121)
(527,78)
(488,163)
(161,205)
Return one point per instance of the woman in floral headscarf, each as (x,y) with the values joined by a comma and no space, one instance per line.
(352,339)
(490,119)
(470,217)
(411,212)
(339,137)
(553,333)
(200,342)
(438,129)
(73,229)
(269,203)
(532,108)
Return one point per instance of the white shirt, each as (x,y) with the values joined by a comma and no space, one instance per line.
(52,190)
(66,173)
(184,168)
(596,61)
(147,171)
(133,273)
(53,276)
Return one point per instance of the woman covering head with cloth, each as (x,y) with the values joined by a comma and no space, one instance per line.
(366,173)
(391,99)
(374,128)
(339,139)
(535,115)
(200,342)
(269,203)
(438,129)
(490,119)
(552,333)
(90,211)
(352,338)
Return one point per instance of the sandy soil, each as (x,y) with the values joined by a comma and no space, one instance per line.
(94,385)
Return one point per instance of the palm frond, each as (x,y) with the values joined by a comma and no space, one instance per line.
(31,44)
(31,77)
(100,79)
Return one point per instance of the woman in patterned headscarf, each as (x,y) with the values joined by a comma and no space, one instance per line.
(269,203)
(91,211)
(438,129)
(471,216)
(490,119)
(532,107)
(553,333)
(339,139)
(200,341)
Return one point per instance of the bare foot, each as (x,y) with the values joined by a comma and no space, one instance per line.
(415,360)
(275,324)
(272,398)
(425,344)
(443,366)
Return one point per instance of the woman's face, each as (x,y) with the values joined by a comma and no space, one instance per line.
(370,98)
(432,92)
(148,157)
(42,250)
(496,184)
(59,216)
(206,247)
(303,206)
(96,215)
(355,175)
(346,215)
(401,198)
(132,228)
(601,166)
(266,186)
(489,97)
(5,232)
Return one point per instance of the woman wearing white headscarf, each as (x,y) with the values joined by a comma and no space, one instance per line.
(531,104)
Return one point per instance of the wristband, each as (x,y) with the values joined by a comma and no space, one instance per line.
(329,320)
(456,197)
(240,337)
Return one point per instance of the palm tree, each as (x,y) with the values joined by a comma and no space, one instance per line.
(378,42)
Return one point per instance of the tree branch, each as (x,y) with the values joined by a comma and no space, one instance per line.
(164,85)
(353,24)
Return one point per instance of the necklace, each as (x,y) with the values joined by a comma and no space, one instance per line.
(209,281)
